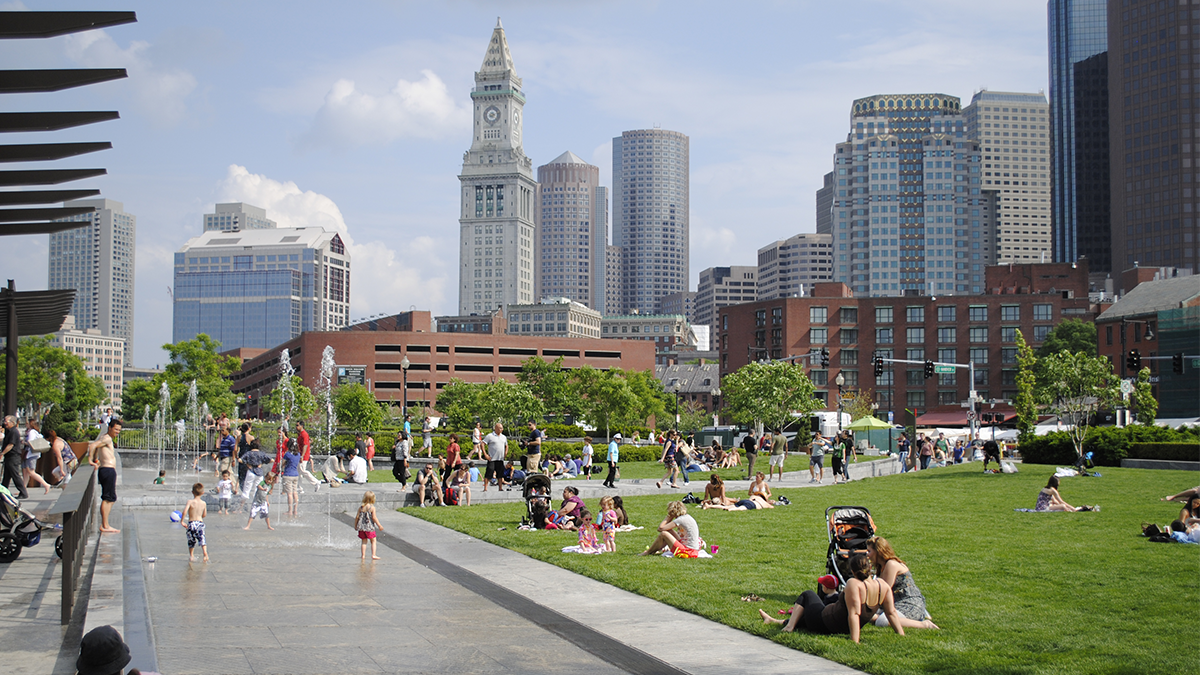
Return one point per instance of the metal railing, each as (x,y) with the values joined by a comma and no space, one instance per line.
(77,507)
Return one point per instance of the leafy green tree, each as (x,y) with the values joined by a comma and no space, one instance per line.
(459,402)
(356,408)
(508,403)
(81,394)
(862,404)
(291,397)
(607,398)
(198,359)
(1143,398)
(692,417)
(1075,386)
(1026,401)
(1072,335)
(135,396)
(652,399)
(770,393)
(550,382)
(43,371)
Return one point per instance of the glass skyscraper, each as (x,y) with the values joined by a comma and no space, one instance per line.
(1078,32)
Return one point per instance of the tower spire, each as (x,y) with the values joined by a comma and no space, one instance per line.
(497,59)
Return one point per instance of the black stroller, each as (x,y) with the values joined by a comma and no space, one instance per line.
(849,529)
(19,528)
(536,492)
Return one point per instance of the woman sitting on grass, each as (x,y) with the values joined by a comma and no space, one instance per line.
(1190,513)
(1049,499)
(714,493)
(907,597)
(619,507)
(863,596)
(678,532)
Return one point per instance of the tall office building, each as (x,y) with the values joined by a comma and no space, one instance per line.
(720,287)
(98,261)
(1011,130)
(650,218)
(789,267)
(825,205)
(1079,220)
(1150,122)
(237,216)
(909,215)
(260,288)
(572,231)
(496,225)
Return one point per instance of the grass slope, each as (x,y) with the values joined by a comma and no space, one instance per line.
(1013,592)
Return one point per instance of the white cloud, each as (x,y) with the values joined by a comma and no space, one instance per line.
(160,91)
(382,279)
(420,109)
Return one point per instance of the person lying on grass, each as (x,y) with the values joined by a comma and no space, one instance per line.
(1049,500)
(678,531)
(855,607)
(910,603)
(1184,496)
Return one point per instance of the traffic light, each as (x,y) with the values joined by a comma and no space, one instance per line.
(928,369)
(1134,360)
(824,357)
(1177,363)
(878,365)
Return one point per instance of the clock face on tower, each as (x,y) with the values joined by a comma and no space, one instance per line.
(492,115)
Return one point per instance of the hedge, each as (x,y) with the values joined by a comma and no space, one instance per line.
(1108,445)
(1177,452)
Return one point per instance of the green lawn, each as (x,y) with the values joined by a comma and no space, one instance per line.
(654,470)
(1013,592)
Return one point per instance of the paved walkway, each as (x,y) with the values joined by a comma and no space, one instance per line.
(298,600)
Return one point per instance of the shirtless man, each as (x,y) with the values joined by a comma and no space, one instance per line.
(102,453)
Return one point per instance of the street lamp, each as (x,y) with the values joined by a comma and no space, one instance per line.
(676,388)
(839,381)
(404,364)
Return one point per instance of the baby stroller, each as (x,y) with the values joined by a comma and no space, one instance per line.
(536,491)
(1084,463)
(849,529)
(19,528)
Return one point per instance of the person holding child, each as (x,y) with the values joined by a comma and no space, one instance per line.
(366,521)
(678,532)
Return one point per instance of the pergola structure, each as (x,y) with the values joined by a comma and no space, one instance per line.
(27,211)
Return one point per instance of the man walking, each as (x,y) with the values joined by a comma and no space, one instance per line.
(497,448)
(779,447)
(102,453)
(614,456)
(750,445)
(533,449)
(12,449)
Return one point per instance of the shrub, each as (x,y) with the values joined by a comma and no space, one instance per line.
(1177,452)
(1108,445)
(1053,448)
(563,431)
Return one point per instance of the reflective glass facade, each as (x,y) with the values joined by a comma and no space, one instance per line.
(1078,35)
(258,309)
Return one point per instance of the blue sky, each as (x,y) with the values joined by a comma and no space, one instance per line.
(355,115)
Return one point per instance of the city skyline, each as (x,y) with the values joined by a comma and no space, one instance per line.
(364,135)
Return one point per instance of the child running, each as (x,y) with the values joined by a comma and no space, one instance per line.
(608,522)
(587,535)
(366,522)
(224,493)
(193,522)
(261,505)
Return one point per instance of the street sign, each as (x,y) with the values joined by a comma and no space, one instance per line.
(1196,363)
(971,415)
(891,417)
(947,370)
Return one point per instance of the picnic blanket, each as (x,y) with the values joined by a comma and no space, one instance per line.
(580,549)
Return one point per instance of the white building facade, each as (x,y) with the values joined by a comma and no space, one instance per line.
(554,317)
(237,216)
(791,266)
(103,356)
(98,261)
(496,224)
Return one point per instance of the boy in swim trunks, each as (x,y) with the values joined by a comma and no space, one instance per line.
(102,454)
(261,505)
(193,522)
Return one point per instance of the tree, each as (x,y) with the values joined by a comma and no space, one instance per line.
(1072,335)
(862,404)
(1143,398)
(607,398)
(198,359)
(459,402)
(508,403)
(692,417)
(1025,402)
(550,383)
(1075,386)
(291,398)
(356,407)
(652,399)
(770,393)
(135,396)
(41,373)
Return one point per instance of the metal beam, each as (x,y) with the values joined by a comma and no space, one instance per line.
(44,196)
(34,215)
(46,176)
(24,25)
(48,152)
(41,81)
(52,121)
(47,227)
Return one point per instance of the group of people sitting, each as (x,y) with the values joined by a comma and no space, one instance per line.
(1184,529)
(758,496)
(681,456)
(572,513)
(880,590)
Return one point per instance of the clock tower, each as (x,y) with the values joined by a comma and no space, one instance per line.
(496,221)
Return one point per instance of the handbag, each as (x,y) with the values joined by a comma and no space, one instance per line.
(39,445)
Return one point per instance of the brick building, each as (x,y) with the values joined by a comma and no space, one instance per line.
(951,329)
(374,358)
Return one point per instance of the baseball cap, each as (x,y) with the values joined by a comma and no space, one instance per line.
(828,581)
(616,437)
